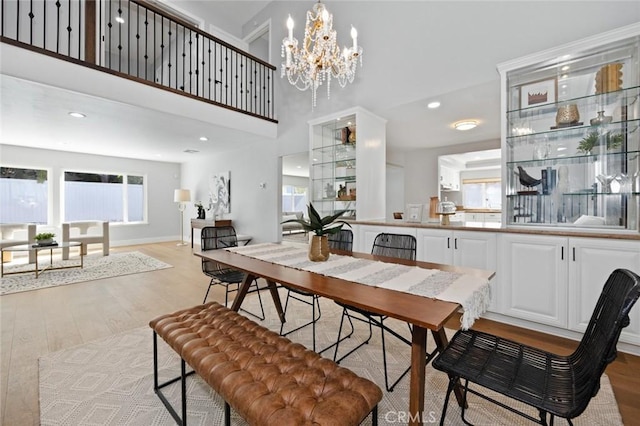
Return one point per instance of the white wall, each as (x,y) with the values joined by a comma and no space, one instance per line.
(162,178)
(254,210)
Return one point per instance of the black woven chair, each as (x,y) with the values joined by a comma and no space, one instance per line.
(391,245)
(220,237)
(556,385)
(342,240)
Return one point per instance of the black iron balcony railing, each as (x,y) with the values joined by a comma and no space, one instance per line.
(139,41)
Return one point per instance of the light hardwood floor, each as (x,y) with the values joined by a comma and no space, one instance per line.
(39,322)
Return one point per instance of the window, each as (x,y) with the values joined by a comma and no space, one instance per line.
(294,198)
(24,194)
(482,193)
(94,196)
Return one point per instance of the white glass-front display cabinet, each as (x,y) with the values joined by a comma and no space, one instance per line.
(347,164)
(571,138)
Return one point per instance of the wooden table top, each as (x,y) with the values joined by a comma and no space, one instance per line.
(418,310)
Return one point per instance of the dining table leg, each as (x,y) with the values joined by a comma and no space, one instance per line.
(273,289)
(417,381)
(242,291)
(441,342)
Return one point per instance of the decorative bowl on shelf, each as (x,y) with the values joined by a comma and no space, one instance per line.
(567,114)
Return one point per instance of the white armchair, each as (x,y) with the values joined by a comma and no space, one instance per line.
(88,232)
(16,234)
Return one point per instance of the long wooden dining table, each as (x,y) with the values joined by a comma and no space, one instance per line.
(422,312)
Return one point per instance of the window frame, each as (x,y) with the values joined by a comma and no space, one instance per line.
(125,192)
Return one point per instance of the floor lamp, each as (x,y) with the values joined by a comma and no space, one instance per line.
(182,196)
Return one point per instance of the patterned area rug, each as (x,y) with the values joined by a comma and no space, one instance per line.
(110,381)
(95,267)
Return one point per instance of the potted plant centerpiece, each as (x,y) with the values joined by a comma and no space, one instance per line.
(44,238)
(321,228)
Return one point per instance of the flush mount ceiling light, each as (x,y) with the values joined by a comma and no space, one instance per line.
(433,105)
(204,138)
(318,59)
(465,125)
(77,114)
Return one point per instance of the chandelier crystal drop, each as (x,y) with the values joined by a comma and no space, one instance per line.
(319,58)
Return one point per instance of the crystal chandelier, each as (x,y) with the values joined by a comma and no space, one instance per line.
(319,59)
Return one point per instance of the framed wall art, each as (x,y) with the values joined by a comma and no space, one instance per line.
(538,93)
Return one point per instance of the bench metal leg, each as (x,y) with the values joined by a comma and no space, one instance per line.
(183,379)
(227,414)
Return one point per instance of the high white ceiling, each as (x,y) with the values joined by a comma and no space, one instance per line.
(415,52)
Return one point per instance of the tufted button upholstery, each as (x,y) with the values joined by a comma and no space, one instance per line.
(266,378)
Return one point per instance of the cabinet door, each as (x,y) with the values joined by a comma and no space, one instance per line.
(435,245)
(478,250)
(590,264)
(533,276)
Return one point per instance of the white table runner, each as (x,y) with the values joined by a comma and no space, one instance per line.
(471,292)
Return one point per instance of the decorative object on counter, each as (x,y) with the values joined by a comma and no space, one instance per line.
(330,190)
(446,209)
(567,115)
(397,215)
(539,93)
(433,209)
(321,227)
(594,139)
(609,78)
(201,211)
(414,213)
(526,179)
(601,119)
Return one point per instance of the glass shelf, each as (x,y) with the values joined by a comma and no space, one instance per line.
(574,131)
(577,159)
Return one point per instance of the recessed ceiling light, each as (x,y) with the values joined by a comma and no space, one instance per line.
(119,20)
(563,76)
(298,167)
(433,105)
(465,125)
(204,138)
(77,114)
(566,67)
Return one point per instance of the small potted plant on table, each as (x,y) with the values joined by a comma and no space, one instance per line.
(321,228)
(44,238)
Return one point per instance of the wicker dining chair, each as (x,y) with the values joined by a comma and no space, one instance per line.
(390,245)
(342,240)
(555,385)
(220,237)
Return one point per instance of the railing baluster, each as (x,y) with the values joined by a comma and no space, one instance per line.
(217,72)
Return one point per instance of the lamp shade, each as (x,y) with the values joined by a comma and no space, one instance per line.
(181,195)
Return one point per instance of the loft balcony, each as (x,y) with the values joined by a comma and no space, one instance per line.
(143,44)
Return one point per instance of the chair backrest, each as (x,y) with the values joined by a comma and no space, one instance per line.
(597,348)
(218,237)
(400,246)
(342,240)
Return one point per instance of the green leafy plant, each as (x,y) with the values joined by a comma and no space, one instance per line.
(593,139)
(44,236)
(321,226)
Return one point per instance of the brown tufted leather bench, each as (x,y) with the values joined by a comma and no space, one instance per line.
(265,377)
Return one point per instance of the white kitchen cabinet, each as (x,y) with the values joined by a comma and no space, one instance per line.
(533,274)
(460,248)
(557,280)
(591,261)
(449,178)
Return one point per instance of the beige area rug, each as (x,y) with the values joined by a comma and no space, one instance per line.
(110,381)
(95,267)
